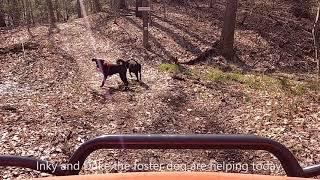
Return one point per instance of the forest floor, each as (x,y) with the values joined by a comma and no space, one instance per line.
(51,101)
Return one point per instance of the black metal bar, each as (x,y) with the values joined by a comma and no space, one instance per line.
(34,164)
(286,158)
(311,171)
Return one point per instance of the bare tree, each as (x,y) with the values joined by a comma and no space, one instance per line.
(25,17)
(315,33)
(30,15)
(122,4)
(42,15)
(97,6)
(145,14)
(2,19)
(15,12)
(57,9)
(227,34)
(2,15)
(79,9)
(138,4)
(164,3)
(119,4)
(52,18)
(211,3)
(66,9)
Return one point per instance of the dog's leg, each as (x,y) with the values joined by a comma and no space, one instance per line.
(136,73)
(124,79)
(103,81)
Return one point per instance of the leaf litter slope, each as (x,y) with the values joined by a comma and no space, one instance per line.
(52,102)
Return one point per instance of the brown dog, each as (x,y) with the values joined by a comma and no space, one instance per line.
(111,69)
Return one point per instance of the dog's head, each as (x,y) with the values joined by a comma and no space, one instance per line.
(123,62)
(99,62)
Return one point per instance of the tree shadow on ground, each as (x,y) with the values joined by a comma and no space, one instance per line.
(154,42)
(182,41)
(216,52)
(295,51)
(215,13)
(120,88)
(285,35)
(144,85)
(184,29)
(174,117)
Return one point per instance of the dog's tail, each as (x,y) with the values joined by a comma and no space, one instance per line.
(140,72)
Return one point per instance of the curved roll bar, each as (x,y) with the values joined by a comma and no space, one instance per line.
(241,142)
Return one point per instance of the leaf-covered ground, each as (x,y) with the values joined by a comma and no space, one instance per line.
(51,101)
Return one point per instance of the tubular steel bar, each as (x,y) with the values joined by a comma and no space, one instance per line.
(286,158)
(27,162)
(243,142)
(311,171)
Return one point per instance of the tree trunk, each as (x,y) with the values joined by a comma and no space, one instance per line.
(97,6)
(164,8)
(211,3)
(123,4)
(16,12)
(315,34)
(138,4)
(2,15)
(119,4)
(66,10)
(40,18)
(79,11)
(51,12)
(150,13)
(145,15)
(2,19)
(30,12)
(26,20)
(58,13)
(227,34)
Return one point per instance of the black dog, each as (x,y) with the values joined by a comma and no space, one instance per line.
(133,66)
(111,69)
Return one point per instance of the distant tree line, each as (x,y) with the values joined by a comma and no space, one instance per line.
(31,12)
(15,13)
